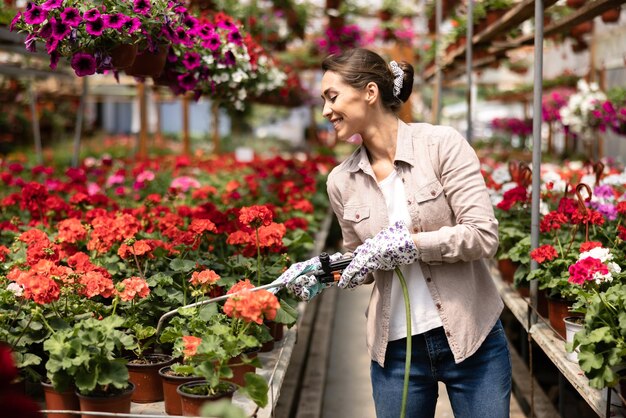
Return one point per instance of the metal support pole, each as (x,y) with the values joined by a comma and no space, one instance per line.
(437,93)
(536,184)
(142,149)
(78,129)
(469,64)
(35,121)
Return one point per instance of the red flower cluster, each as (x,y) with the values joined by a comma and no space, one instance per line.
(512,196)
(110,230)
(203,278)
(584,270)
(552,221)
(256,216)
(138,248)
(587,217)
(71,231)
(131,288)
(270,237)
(191,344)
(544,253)
(251,306)
(589,245)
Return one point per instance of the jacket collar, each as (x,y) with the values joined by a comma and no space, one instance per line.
(404,151)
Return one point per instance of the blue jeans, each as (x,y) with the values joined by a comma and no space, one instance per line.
(478,387)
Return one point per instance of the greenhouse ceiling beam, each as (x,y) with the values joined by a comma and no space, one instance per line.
(587,12)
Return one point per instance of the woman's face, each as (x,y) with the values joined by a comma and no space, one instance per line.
(344,106)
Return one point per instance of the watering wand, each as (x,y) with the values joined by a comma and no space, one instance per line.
(330,272)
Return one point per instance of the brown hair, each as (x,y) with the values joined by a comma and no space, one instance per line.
(360,66)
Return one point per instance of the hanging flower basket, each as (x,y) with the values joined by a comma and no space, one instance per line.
(575,4)
(582,28)
(149,64)
(611,16)
(123,55)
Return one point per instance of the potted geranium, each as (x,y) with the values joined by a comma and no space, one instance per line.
(220,353)
(88,356)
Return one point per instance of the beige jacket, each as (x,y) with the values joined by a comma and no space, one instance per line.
(455,225)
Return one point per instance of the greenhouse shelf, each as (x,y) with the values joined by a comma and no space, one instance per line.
(554,348)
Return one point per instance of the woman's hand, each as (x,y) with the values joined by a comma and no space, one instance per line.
(297,281)
(391,247)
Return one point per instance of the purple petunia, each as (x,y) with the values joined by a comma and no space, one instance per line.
(34,15)
(95,27)
(115,21)
(59,29)
(91,14)
(51,45)
(142,6)
(46,31)
(212,42)
(191,60)
(15,20)
(187,81)
(229,59)
(83,64)
(132,25)
(71,16)
(54,60)
(30,42)
(52,4)
(235,37)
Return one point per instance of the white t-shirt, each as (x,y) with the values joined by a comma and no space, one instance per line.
(424,315)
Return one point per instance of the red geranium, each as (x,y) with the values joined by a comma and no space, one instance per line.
(544,253)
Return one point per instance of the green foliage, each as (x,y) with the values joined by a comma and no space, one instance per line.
(222,409)
(88,355)
(601,342)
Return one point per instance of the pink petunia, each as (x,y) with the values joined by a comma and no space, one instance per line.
(83,64)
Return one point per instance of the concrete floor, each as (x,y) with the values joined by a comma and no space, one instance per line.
(348,390)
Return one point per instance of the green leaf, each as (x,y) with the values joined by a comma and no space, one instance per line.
(180,265)
(287,314)
(256,389)
(589,361)
(222,409)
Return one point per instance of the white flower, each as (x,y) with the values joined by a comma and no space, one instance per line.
(17,289)
(601,253)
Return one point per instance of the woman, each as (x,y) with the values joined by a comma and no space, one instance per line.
(412,196)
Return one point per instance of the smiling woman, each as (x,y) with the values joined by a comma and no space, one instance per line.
(411,202)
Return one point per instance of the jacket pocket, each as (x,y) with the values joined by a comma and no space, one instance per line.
(358,217)
(433,205)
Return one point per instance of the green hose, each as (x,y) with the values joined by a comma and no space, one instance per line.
(407,363)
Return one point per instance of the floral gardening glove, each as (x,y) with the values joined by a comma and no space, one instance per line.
(391,247)
(302,285)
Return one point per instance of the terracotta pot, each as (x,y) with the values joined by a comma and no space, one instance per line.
(191,403)
(557,310)
(56,400)
(239,370)
(145,376)
(149,64)
(507,268)
(123,56)
(119,402)
(170,382)
(611,16)
(277,330)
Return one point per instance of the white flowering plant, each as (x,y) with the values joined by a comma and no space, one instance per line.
(579,114)
(222,62)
